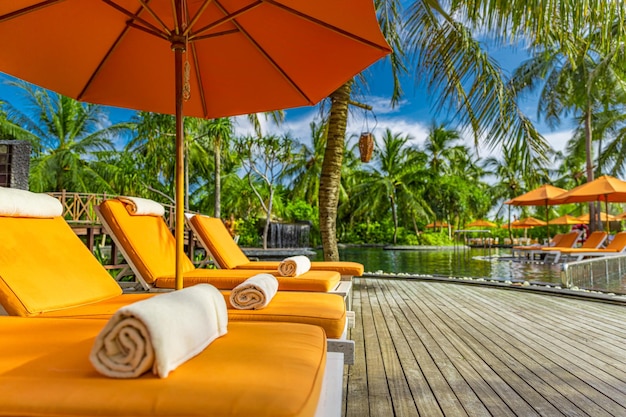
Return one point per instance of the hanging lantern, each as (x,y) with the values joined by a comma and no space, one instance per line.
(366,146)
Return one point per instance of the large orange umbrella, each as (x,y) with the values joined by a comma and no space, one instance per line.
(212,58)
(541,196)
(605,188)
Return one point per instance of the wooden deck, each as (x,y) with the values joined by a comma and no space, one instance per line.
(442,349)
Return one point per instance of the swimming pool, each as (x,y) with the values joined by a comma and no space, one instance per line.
(454,262)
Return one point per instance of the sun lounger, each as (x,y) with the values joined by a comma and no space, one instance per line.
(594,241)
(617,246)
(523,250)
(46,271)
(226,254)
(273,369)
(149,248)
(568,240)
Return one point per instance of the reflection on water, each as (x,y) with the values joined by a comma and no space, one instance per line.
(456,262)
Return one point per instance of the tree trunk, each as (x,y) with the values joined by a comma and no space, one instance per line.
(330,179)
(394,215)
(268,220)
(218,177)
(593,218)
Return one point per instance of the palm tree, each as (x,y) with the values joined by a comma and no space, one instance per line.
(64,135)
(389,180)
(306,167)
(573,77)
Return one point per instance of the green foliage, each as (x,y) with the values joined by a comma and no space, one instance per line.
(249,231)
(435,239)
(299,210)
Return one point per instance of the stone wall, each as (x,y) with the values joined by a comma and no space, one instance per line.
(20,162)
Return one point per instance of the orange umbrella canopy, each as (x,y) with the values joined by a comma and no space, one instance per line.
(244,56)
(603,216)
(541,196)
(605,188)
(200,58)
(481,223)
(567,220)
(526,223)
(537,197)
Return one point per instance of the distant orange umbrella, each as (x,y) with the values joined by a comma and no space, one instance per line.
(541,196)
(603,217)
(566,220)
(526,223)
(208,58)
(481,223)
(605,188)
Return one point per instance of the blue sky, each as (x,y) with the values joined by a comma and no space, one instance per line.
(413,115)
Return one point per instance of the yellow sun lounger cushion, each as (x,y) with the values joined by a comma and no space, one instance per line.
(325,310)
(45,267)
(45,270)
(257,369)
(227,254)
(150,248)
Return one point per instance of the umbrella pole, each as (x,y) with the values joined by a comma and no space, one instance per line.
(547,223)
(178,45)
(606,208)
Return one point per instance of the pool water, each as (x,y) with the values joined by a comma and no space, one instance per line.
(454,262)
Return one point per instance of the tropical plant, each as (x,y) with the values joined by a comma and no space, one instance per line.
(64,134)
(389,181)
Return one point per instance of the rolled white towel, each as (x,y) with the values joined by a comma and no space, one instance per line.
(22,203)
(160,333)
(294,266)
(138,206)
(254,293)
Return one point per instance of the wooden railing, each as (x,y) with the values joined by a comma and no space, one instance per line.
(79,208)
(80,213)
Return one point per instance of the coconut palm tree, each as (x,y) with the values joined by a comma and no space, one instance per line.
(453,63)
(64,135)
(388,182)
(305,170)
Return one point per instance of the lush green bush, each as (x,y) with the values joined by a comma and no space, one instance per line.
(249,232)
(299,210)
(368,233)
(435,239)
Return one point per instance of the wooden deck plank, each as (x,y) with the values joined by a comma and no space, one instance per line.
(356,375)
(550,367)
(378,390)
(390,342)
(477,351)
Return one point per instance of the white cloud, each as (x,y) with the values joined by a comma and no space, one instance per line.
(558,140)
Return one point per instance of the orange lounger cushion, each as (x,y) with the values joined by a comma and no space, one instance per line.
(31,279)
(257,369)
(150,247)
(227,254)
(225,279)
(325,310)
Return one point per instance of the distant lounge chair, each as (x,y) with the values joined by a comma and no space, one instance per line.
(567,240)
(594,241)
(226,254)
(617,246)
(522,250)
(149,248)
